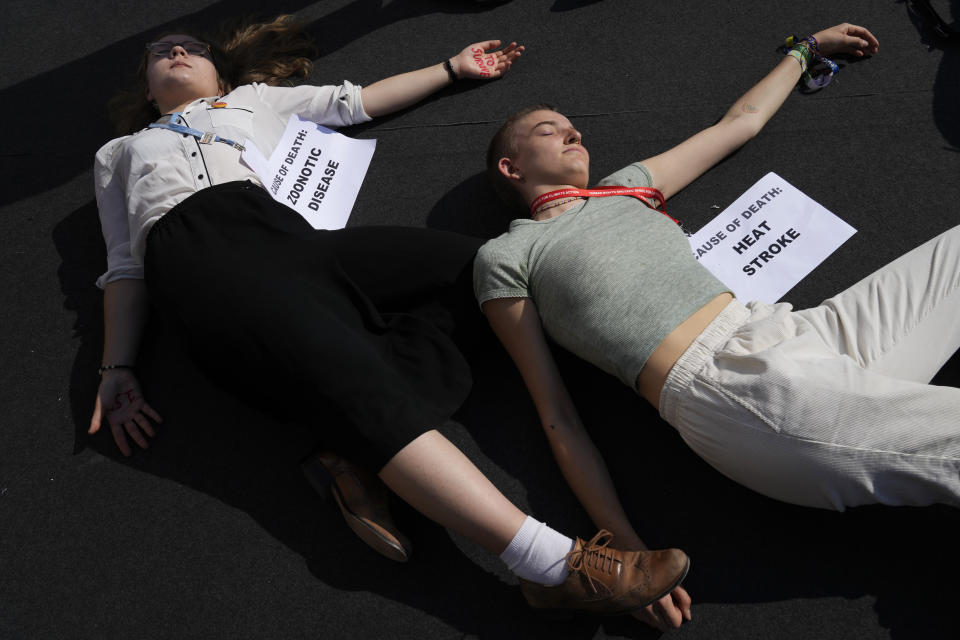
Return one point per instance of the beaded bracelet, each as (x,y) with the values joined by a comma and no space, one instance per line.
(816,71)
(107,367)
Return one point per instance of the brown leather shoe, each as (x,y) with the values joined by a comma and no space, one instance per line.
(609,581)
(362,497)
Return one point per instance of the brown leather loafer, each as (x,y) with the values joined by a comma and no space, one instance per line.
(608,581)
(362,498)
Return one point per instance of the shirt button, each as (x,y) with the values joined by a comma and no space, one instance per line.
(193,155)
(185,135)
(200,177)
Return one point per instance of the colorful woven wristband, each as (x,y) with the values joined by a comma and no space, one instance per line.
(801,53)
(816,71)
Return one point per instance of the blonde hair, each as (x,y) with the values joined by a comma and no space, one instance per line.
(271,52)
(503,146)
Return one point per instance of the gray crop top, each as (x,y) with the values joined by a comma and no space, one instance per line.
(610,278)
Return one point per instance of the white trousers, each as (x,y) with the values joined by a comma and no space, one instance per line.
(830,406)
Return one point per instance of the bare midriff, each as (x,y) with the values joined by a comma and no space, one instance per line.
(661,361)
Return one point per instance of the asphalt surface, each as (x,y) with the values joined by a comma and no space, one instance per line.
(213,533)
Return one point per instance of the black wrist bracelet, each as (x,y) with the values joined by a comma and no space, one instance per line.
(450,71)
(107,367)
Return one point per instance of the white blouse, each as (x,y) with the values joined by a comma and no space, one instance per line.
(140,177)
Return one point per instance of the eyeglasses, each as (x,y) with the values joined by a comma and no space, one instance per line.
(163,49)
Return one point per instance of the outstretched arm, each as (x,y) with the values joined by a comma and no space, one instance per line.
(517,323)
(476,61)
(684,163)
(119,398)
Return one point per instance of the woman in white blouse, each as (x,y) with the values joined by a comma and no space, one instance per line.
(288,317)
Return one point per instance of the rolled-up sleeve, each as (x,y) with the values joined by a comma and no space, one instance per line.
(331,105)
(114,221)
(498,274)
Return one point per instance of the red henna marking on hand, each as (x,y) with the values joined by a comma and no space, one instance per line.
(478,58)
(118,399)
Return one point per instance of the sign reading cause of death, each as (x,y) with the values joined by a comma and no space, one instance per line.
(315,171)
(768,240)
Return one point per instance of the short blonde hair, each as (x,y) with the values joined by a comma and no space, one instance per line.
(503,145)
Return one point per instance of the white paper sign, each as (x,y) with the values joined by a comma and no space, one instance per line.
(315,171)
(768,240)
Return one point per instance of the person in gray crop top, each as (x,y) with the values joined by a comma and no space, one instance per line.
(827,407)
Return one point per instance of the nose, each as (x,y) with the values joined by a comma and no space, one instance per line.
(573,137)
(177,50)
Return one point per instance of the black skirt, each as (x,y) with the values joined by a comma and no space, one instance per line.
(297,321)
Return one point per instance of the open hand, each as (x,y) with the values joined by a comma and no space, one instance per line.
(846,39)
(127,413)
(478,62)
(668,612)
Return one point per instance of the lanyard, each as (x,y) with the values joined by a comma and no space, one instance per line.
(203,136)
(640,193)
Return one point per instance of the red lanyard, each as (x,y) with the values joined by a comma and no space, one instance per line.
(640,193)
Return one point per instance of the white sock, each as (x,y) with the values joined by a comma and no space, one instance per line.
(538,553)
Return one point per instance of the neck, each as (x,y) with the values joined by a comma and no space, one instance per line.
(547,211)
(166,109)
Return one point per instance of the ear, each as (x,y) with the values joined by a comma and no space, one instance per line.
(509,170)
(149,95)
